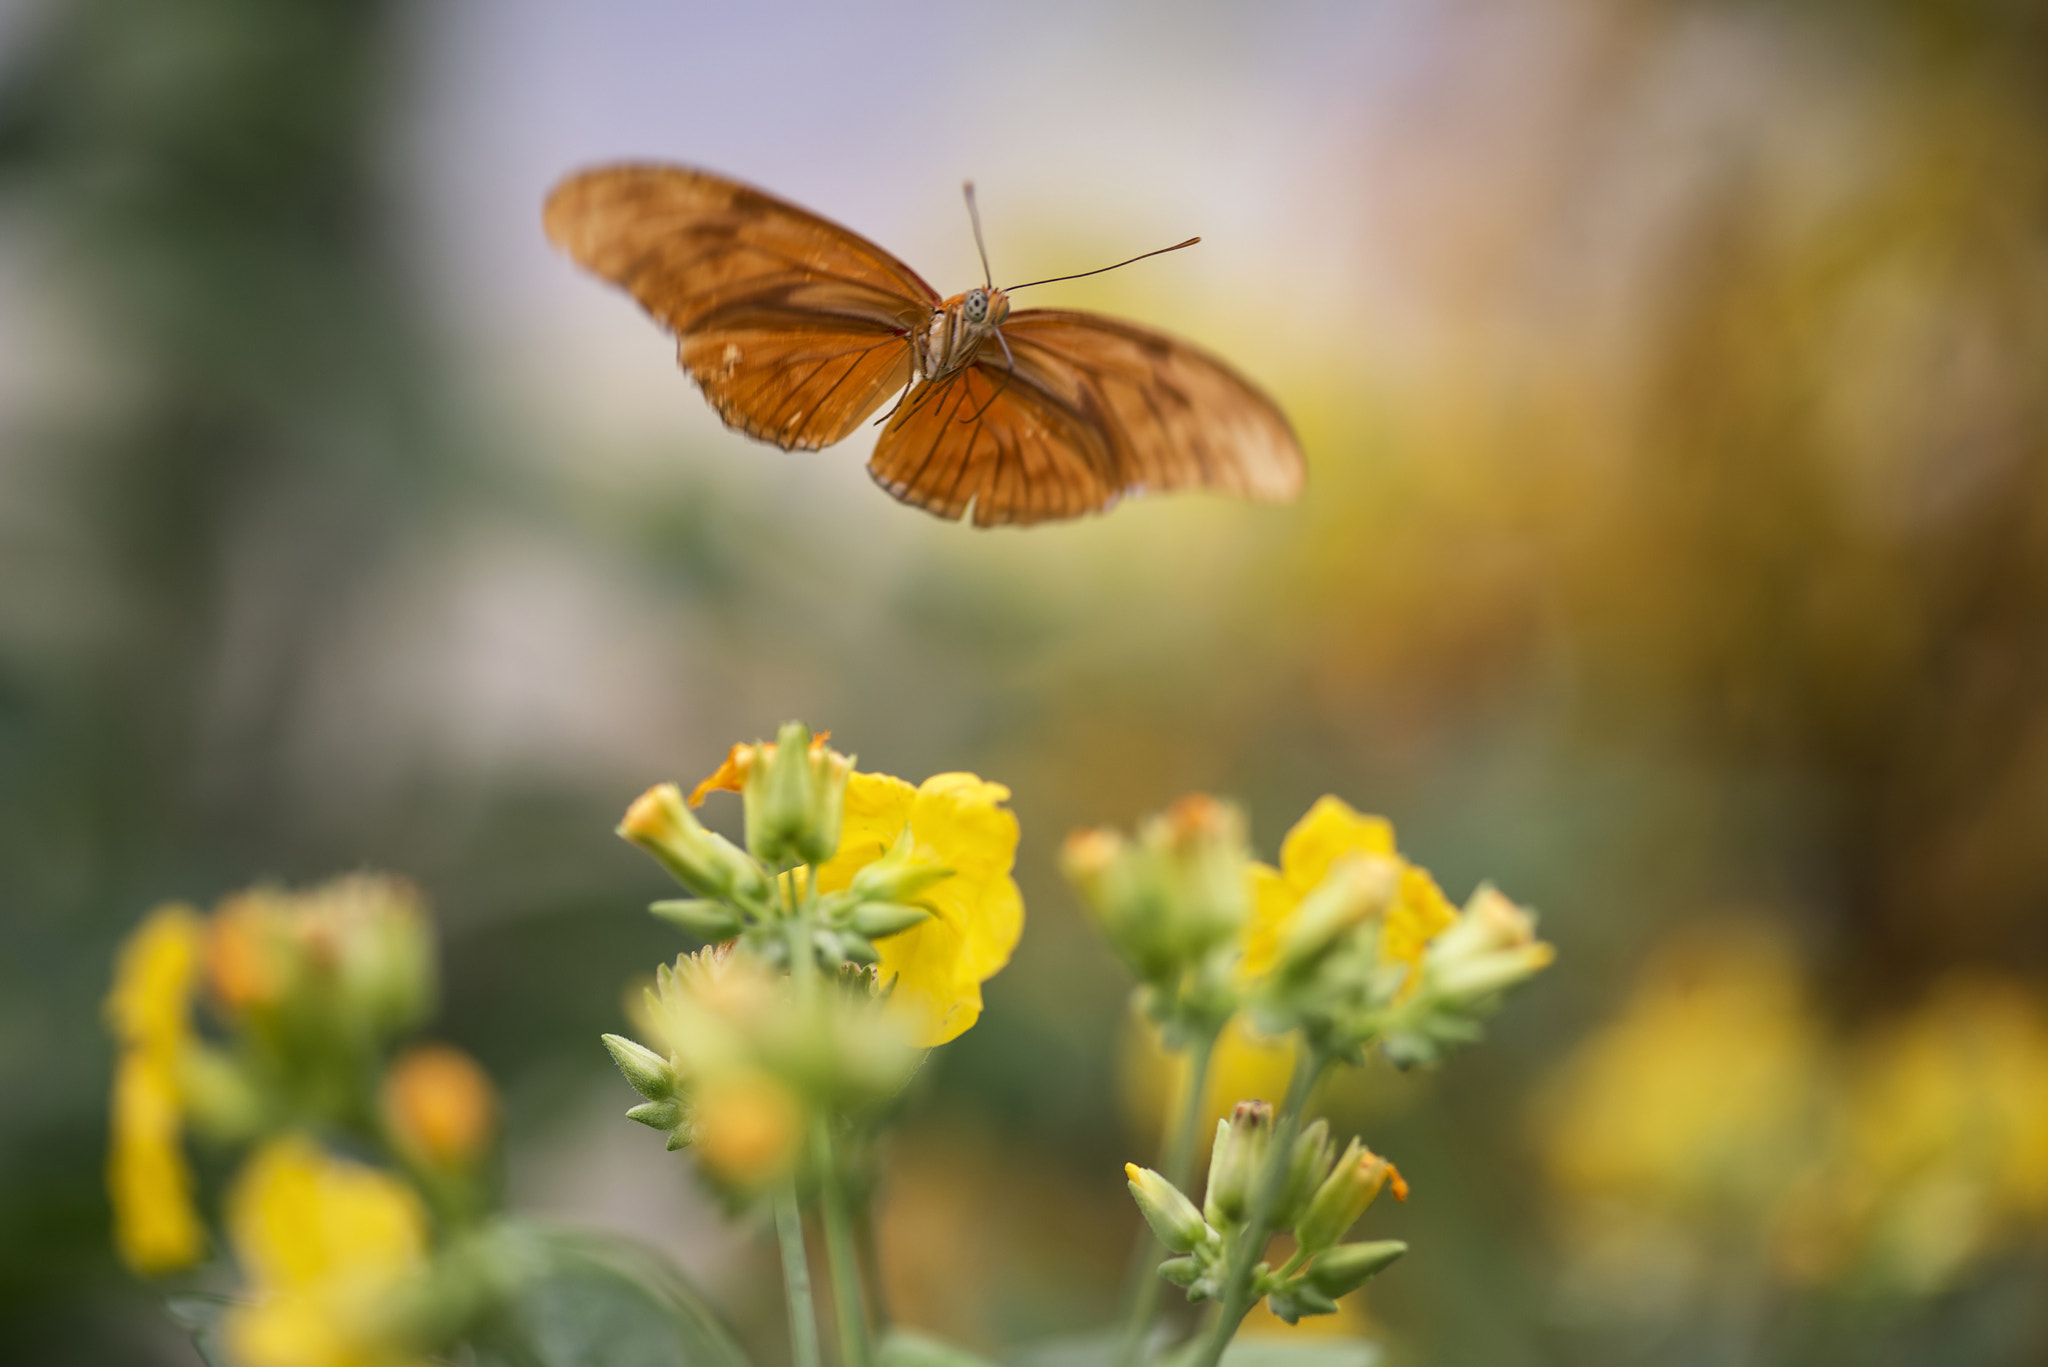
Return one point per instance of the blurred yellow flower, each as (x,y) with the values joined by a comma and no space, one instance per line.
(325,1244)
(1942,1154)
(1697,1100)
(956,821)
(1243,1065)
(149,1182)
(1331,830)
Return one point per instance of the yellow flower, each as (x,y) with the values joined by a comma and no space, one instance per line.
(1697,1099)
(1942,1152)
(1244,1064)
(956,821)
(324,1244)
(149,1182)
(1329,832)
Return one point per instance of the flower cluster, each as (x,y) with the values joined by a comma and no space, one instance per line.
(306,997)
(1343,946)
(857,926)
(1717,1130)
(1322,1195)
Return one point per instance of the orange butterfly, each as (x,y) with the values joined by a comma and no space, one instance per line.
(797,330)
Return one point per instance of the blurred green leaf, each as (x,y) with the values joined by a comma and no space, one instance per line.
(597,1301)
(199,1316)
(907,1348)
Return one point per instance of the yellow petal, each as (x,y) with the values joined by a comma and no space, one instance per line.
(936,968)
(1273,901)
(150,1003)
(1418,915)
(1330,830)
(301,1221)
(156,1227)
(877,810)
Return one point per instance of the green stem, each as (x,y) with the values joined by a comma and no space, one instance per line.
(796,1280)
(1239,1291)
(1177,1163)
(846,1281)
(871,1268)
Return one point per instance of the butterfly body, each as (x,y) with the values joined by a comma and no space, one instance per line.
(798,331)
(958,330)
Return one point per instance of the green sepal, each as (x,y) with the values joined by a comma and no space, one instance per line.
(714,922)
(657,1115)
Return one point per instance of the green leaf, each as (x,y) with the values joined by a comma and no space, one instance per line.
(907,1348)
(1095,1348)
(1279,1352)
(199,1315)
(599,1301)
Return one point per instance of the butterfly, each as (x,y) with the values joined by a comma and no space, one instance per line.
(798,330)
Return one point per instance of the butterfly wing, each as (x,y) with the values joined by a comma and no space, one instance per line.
(794,327)
(1082,411)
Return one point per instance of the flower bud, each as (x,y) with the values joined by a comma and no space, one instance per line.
(880,920)
(1341,1270)
(898,876)
(712,922)
(1355,890)
(703,861)
(1172,1216)
(1236,1161)
(748,1129)
(439,1107)
(1182,1271)
(1171,896)
(1305,1170)
(1344,1195)
(1490,947)
(795,794)
(648,1072)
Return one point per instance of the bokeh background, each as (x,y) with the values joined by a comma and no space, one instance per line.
(1675,554)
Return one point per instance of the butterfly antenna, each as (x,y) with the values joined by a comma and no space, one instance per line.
(1054,280)
(974,217)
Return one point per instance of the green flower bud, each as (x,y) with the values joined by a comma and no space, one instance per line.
(703,861)
(795,795)
(1344,1195)
(659,1115)
(710,921)
(1305,1171)
(1297,1300)
(1172,1216)
(899,875)
(648,1072)
(1489,948)
(1341,1270)
(880,920)
(1171,896)
(1235,1162)
(1182,1271)
(1355,890)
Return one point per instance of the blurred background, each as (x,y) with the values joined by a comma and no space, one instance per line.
(1675,554)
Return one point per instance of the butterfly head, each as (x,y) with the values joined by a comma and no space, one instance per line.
(984,307)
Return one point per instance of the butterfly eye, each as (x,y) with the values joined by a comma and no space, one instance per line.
(976,305)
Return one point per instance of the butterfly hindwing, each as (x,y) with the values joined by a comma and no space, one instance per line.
(1082,410)
(794,327)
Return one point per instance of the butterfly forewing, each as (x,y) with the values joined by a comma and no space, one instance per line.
(1083,410)
(794,327)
